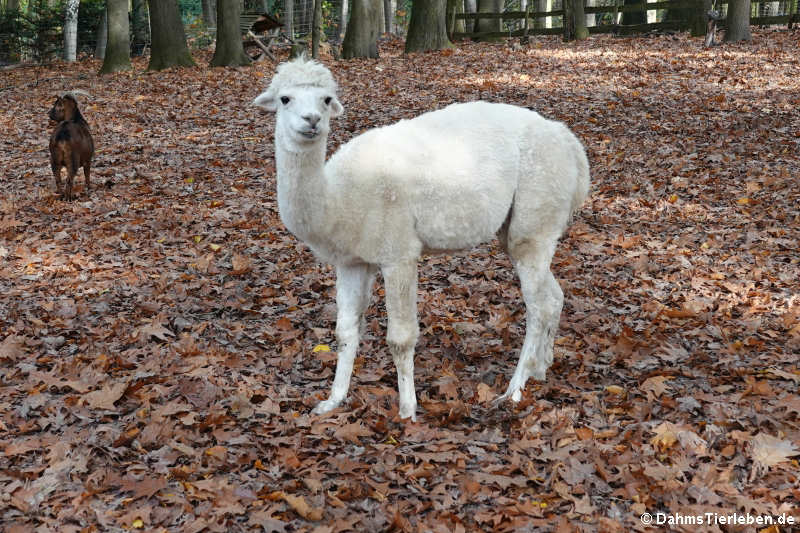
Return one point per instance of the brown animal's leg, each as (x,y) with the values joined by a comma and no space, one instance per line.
(72,168)
(86,168)
(57,175)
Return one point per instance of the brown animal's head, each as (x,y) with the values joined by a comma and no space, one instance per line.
(64,108)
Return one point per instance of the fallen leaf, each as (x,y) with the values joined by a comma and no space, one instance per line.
(106,397)
(655,385)
(300,506)
(768,451)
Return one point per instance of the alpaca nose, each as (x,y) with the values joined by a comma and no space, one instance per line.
(312,119)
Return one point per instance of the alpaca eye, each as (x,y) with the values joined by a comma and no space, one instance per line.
(285,100)
(328,100)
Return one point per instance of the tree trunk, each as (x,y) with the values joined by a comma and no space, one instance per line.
(229,51)
(634,17)
(343,14)
(316,29)
(168,38)
(380,20)
(697,18)
(455,7)
(361,38)
(209,13)
(71,30)
(102,36)
(470,6)
(119,46)
(489,25)
(141,26)
(737,25)
(288,18)
(574,21)
(388,15)
(427,29)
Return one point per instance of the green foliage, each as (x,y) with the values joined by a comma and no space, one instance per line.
(10,36)
(35,34)
(191,10)
(90,16)
(45,39)
(402,16)
(198,35)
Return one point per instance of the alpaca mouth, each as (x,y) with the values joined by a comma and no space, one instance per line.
(311,134)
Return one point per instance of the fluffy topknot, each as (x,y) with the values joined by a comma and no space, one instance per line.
(303,72)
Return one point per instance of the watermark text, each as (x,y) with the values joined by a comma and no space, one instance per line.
(717,519)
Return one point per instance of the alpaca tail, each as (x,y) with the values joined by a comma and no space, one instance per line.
(582,178)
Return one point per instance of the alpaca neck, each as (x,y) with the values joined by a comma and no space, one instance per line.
(302,189)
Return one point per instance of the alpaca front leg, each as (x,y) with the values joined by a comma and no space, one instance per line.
(403,330)
(353,284)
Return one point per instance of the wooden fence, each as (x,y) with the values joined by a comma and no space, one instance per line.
(615,9)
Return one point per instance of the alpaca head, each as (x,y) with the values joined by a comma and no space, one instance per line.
(302,94)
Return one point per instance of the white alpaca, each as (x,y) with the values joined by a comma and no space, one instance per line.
(446,180)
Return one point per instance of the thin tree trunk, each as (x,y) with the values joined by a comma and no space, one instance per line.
(455,7)
(141,26)
(737,25)
(634,17)
(489,24)
(102,36)
(209,13)
(470,6)
(229,51)
(71,30)
(380,20)
(361,39)
(119,46)
(288,22)
(343,14)
(388,15)
(427,29)
(574,21)
(316,29)
(168,37)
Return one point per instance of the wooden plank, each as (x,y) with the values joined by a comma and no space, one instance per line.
(631,8)
(505,34)
(633,29)
(618,29)
(515,15)
(511,15)
(767,21)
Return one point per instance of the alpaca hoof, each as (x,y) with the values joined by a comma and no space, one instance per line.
(514,396)
(326,406)
(408,411)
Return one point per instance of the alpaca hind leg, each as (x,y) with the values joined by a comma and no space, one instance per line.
(551,299)
(403,330)
(353,284)
(543,300)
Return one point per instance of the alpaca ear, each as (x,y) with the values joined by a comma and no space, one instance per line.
(266,101)
(336,107)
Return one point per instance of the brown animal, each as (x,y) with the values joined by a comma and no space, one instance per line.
(71,144)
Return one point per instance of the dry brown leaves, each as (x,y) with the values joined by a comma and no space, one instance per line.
(156,338)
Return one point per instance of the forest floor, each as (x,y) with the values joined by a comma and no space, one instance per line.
(162,341)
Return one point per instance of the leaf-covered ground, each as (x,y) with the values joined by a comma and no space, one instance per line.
(157,362)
